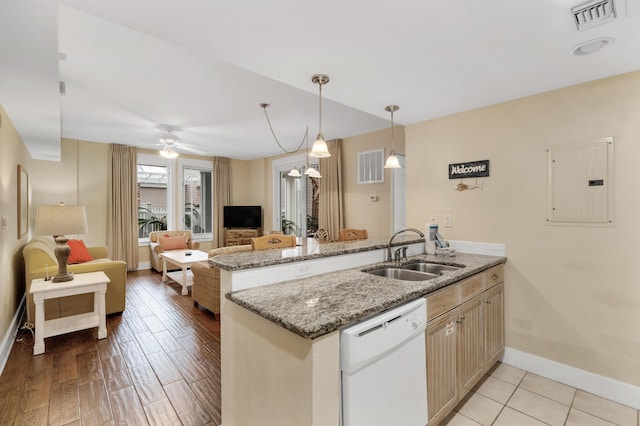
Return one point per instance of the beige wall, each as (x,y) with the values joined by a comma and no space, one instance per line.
(359,212)
(572,293)
(252,184)
(80,177)
(12,286)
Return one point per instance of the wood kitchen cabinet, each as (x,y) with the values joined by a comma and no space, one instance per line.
(464,338)
(240,236)
(442,389)
(470,338)
(493,325)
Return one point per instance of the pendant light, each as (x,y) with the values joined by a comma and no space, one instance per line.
(392,160)
(319,148)
(310,170)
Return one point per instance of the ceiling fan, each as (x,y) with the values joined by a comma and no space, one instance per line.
(170,143)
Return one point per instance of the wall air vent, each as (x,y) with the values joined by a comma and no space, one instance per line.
(592,13)
(370,168)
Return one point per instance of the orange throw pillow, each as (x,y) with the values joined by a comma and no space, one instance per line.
(178,242)
(79,252)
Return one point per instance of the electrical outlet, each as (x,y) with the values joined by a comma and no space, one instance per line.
(447,220)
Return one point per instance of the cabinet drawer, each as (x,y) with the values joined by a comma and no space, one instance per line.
(442,301)
(471,286)
(494,275)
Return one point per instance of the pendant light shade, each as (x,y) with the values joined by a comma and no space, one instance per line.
(312,172)
(319,148)
(392,160)
(294,173)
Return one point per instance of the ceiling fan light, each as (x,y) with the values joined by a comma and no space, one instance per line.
(319,148)
(392,162)
(294,173)
(169,153)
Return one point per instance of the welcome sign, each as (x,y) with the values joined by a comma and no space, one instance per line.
(470,169)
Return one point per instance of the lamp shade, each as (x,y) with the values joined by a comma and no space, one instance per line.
(392,162)
(61,220)
(319,148)
(294,173)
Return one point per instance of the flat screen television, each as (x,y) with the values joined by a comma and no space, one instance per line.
(242,217)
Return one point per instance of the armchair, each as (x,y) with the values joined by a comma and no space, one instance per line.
(156,249)
(205,290)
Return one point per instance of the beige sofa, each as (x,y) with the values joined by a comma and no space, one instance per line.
(39,256)
(156,249)
(205,290)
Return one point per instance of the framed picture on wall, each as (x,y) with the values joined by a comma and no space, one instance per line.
(23,202)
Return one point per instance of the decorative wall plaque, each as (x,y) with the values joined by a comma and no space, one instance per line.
(469,169)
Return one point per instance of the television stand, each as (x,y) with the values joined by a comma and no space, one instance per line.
(240,236)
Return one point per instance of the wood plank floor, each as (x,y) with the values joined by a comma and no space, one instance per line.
(159,365)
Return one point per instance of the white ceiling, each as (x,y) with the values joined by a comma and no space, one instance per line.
(205,66)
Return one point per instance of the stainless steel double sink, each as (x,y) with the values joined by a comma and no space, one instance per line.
(414,271)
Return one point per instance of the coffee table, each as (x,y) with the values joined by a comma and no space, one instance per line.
(182,260)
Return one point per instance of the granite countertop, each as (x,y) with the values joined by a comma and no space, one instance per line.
(311,249)
(318,305)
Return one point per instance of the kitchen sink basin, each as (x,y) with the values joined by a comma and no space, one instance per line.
(403,274)
(432,268)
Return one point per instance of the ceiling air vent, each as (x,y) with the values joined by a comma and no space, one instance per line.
(592,13)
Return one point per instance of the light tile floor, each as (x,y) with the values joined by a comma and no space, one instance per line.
(509,396)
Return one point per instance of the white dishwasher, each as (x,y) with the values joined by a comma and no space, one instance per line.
(383,363)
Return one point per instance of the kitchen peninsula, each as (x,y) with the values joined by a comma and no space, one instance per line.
(282,315)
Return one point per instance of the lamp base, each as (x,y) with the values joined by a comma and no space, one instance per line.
(60,278)
(62,252)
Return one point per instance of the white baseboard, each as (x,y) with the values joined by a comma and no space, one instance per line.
(7,340)
(143,265)
(605,387)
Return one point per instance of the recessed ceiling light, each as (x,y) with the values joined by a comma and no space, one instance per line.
(592,46)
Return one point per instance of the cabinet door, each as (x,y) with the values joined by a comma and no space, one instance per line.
(442,387)
(470,343)
(493,325)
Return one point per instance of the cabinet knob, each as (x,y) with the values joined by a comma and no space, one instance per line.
(494,277)
(460,319)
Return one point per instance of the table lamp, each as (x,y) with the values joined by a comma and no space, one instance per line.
(57,221)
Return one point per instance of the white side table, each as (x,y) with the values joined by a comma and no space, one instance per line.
(92,282)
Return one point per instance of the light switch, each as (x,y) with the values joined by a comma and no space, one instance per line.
(4,223)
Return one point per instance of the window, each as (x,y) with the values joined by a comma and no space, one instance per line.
(191,180)
(295,199)
(153,196)
(197,197)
